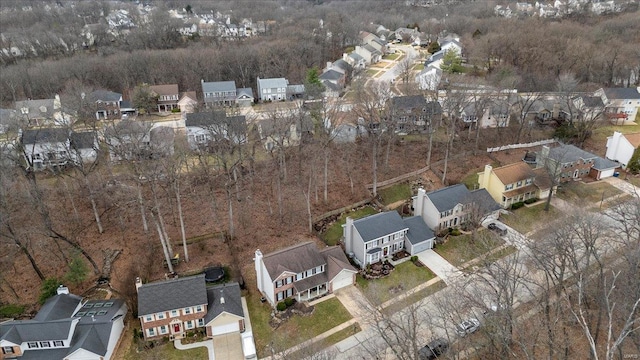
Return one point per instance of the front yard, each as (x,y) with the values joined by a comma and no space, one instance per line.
(327,315)
(405,276)
(165,351)
(527,219)
(334,232)
(591,193)
(460,249)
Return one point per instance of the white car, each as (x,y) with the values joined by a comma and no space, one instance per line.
(467,327)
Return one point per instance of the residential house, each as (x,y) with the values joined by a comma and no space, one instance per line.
(188,102)
(295,91)
(621,147)
(569,162)
(435,59)
(335,77)
(46,148)
(514,183)
(279,132)
(8,120)
(347,133)
(548,110)
(376,237)
(497,115)
(302,272)
(43,112)
(107,104)
(406,34)
(355,60)
(374,41)
(128,140)
(66,327)
(453,206)
(620,102)
(168,96)
(245,97)
(410,113)
(84,146)
(205,128)
(274,89)
(370,54)
(174,307)
(429,78)
(219,93)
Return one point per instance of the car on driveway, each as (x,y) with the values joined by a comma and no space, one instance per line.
(467,327)
(497,227)
(433,349)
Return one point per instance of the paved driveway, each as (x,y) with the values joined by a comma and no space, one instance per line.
(228,346)
(439,265)
(355,302)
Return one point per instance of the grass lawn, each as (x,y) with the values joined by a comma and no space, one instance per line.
(334,232)
(327,315)
(371,72)
(167,352)
(415,297)
(459,249)
(635,181)
(590,193)
(406,275)
(471,180)
(600,134)
(391,56)
(527,219)
(325,343)
(395,193)
(418,67)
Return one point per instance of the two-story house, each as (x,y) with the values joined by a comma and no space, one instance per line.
(273,89)
(203,128)
(129,140)
(514,183)
(453,206)
(376,237)
(620,101)
(219,93)
(107,104)
(621,147)
(168,96)
(173,307)
(370,54)
(42,112)
(66,327)
(568,162)
(408,113)
(302,272)
(53,148)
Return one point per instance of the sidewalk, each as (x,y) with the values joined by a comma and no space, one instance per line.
(207,343)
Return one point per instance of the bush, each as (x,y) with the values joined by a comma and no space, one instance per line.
(175,110)
(455,232)
(530,201)
(414,258)
(517,205)
(11,310)
(281,306)
(289,302)
(48,289)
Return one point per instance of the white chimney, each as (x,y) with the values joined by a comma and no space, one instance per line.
(138,283)
(258,265)
(347,233)
(56,102)
(221,300)
(62,290)
(329,65)
(418,207)
(485,177)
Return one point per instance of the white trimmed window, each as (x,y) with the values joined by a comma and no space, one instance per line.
(187,311)
(199,308)
(189,324)
(151,332)
(163,329)
(32,345)
(200,322)
(160,316)
(148,318)
(58,343)
(174,313)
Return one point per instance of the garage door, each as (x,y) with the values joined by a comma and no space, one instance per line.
(344,278)
(422,246)
(225,329)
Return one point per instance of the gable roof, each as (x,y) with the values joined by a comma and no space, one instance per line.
(272,83)
(336,261)
(224,298)
(36,108)
(171,294)
(569,153)
(604,164)
(355,56)
(621,93)
(32,330)
(483,199)
(218,86)
(633,139)
(331,75)
(591,101)
(378,225)
(105,95)
(83,140)
(371,49)
(166,89)
(45,135)
(248,92)
(205,118)
(447,198)
(60,306)
(341,64)
(418,230)
(513,173)
(294,259)
(408,102)
(188,94)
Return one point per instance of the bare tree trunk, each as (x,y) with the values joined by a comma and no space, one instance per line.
(326,173)
(94,206)
(145,226)
(446,158)
(374,155)
(230,200)
(182,231)
(73,203)
(25,251)
(430,144)
(163,243)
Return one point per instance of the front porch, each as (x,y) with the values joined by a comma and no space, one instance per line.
(311,287)
(312,293)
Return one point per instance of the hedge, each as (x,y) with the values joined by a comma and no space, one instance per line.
(517,205)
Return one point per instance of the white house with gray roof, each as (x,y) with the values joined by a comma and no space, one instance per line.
(376,237)
(273,89)
(66,327)
(452,206)
(302,272)
(219,93)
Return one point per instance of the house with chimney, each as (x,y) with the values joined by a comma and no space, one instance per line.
(620,103)
(621,147)
(42,112)
(514,183)
(302,272)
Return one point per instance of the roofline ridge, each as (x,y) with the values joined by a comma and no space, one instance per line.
(162,282)
(287,249)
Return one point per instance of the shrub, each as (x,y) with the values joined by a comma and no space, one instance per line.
(48,289)
(175,110)
(289,302)
(281,306)
(77,272)
(455,232)
(11,310)
(517,205)
(414,258)
(530,201)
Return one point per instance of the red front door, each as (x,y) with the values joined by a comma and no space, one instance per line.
(176,328)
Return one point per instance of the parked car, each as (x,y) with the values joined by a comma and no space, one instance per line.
(498,227)
(433,349)
(467,327)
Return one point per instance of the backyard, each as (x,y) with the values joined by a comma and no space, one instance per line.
(460,249)
(527,219)
(405,276)
(392,194)
(591,193)
(334,232)
(327,315)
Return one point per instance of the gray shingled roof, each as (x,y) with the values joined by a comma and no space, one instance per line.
(604,164)
(205,118)
(217,86)
(622,93)
(171,294)
(35,108)
(45,135)
(447,198)
(232,301)
(293,259)
(31,330)
(483,199)
(245,92)
(418,230)
(310,282)
(105,95)
(331,75)
(93,338)
(356,57)
(569,153)
(272,83)
(58,307)
(83,140)
(379,225)
(408,102)
(342,65)
(336,261)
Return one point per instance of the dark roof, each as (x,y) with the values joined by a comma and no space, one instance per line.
(58,307)
(171,294)
(342,65)
(93,338)
(604,164)
(272,83)
(331,86)
(216,86)
(434,107)
(31,330)
(418,230)
(83,140)
(447,198)
(435,57)
(45,135)
(592,101)
(569,153)
(621,93)
(166,89)
(232,301)
(483,199)
(245,92)
(336,261)
(408,102)
(378,225)
(205,118)
(105,95)
(310,282)
(293,259)
(331,75)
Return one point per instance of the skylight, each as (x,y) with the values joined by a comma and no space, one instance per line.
(102,312)
(108,304)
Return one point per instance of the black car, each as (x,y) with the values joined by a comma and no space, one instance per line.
(433,349)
